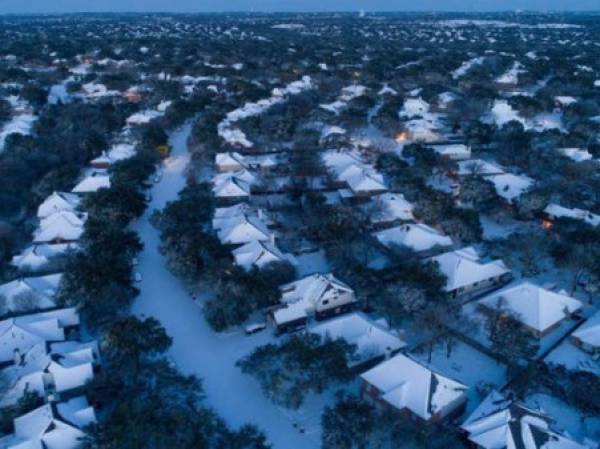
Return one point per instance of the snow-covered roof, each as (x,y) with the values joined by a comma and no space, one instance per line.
(371,339)
(589,332)
(405,383)
(510,186)
(116,153)
(558,211)
(22,333)
(51,426)
(389,207)
(255,253)
(452,150)
(63,225)
(534,306)
(463,268)
(94,181)
(414,106)
(242,229)
(416,236)
(576,154)
(231,187)
(56,202)
(37,292)
(36,256)
(499,423)
(232,158)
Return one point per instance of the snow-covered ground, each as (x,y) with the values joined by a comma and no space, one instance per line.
(196,348)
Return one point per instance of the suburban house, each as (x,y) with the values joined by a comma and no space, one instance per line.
(231,189)
(60,227)
(319,294)
(52,426)
(556,211)
(467,276)
(576,154)
(403,384)
(587,336)
(499,423)
(18,335)
(37,256)
(257,254)
(478,167)
(388,209)
(30,293)
(92,182)
(417,236)
(58,202)
(230,162)
(116,153)
(55,371)
(373,340)
(452,151)
(537,309)
(510,186)
(243,229)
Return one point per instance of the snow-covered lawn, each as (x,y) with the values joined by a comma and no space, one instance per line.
(573,358)
(196,348)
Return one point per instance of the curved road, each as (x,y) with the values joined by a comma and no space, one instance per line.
(196,348)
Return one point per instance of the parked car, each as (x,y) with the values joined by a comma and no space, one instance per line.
(254,328)
(138,276)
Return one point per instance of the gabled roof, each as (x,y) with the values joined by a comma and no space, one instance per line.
(36,256)
(393,206)
(96,180)
(52,426)
(417,236)
(230,158)
(478,167)
(463,268)
(499,423)
(58,201)
(41,290)
(257,254)
(232,187)
(243,229)
(558,211)
(371,339)
(589,332)
(510,186)
(310,289)
(61,225)
(405,383)
(534,306)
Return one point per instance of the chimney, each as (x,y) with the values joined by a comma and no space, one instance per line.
(272,238)
(260,214)
(17,359)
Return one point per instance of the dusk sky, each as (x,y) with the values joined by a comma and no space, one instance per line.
(50,6)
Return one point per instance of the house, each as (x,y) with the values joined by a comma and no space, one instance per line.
(467,276)
(373,341)
(576,154)
(37,256)
(501,423)
(366,184)
(231,188)
(58,369)
(404,384)
(95,180)
(587,336)
(510,186)
(18,335)
(60,227)
(388,208)
(257,254)
(242,229)
(30,293)
(116,153)
(58,202)
(537,309)
(555,211)
(452,151)
(417,236)
(230,162)
(51,426)
(319,294)
(223,215)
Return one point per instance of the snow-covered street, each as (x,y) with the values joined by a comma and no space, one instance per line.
(196,348)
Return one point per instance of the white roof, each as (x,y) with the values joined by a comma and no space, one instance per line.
(404,383)
(452,150)
(371,339)
(418,237)
(510,186)
(479,167)
(36,256)
(58,201)
(40,290)
(589,332)
(366,182)
(52,426)
(558,211)
(62,225)
(232,188)
(232,211)
(414,106)
(393,206)
(576,154)
(22,333)
(257,254)
(498,423)
(242,229)
(534,306)
(463,268)
(229,158)
(92,183)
